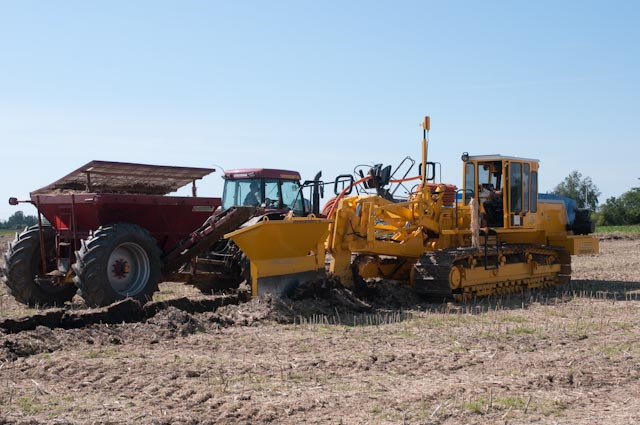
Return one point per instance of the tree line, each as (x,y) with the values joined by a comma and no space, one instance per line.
(18,221)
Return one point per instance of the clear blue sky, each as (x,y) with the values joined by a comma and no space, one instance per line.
(313,85)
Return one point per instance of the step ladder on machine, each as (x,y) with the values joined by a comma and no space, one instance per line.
(491,248)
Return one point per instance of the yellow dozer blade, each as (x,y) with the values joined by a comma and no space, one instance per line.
(284,253)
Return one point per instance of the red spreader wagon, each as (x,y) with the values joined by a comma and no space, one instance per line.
(110,230)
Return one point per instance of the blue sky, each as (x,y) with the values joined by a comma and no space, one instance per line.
(317,86)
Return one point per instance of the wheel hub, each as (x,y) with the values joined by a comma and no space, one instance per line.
(120,268)
(128,269)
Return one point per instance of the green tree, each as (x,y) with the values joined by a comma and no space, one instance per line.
(18,220)
(582,190)
(623,210)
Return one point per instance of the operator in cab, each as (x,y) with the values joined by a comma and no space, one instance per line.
(253,197)
(492,205)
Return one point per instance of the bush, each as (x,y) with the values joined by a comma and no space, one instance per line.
(624,210)
(18,221)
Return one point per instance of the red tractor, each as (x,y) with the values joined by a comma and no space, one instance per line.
(113,233)
(250,195)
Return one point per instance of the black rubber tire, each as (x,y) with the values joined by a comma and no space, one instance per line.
(237,273)
(92,269)
(22,263)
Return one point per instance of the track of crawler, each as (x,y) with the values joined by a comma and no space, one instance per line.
(469,272)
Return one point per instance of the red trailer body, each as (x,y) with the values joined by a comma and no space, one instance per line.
(167,218)
(105,192)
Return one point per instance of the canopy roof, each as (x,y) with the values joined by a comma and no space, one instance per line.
(496,157)
(124,177)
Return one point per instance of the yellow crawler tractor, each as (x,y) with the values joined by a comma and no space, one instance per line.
(495,235)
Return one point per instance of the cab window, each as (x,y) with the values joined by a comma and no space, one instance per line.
(272,197)
(489,176)
(290,198)
(483,174)
(515,182)
(525,188)
(469,182)
(241,192)
(534,191)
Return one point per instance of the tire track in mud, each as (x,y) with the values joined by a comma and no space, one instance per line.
(54,330)
(126,311)
(323,297)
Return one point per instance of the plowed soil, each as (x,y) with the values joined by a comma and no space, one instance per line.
(567,355)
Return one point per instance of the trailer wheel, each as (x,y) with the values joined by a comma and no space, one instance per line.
(22,263)
(115,262)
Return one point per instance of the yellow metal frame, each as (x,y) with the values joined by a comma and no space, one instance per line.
(577,244)
(282,247)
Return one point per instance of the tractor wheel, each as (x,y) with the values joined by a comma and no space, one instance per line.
(115,262)
(22,264)
(234,273)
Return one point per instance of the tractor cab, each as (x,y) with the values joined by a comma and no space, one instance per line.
(264,188)
(506,189)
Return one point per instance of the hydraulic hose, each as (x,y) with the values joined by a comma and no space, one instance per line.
(344,191)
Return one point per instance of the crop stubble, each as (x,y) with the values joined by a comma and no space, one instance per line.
(560,356)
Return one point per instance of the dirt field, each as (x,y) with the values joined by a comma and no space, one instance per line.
(561,356)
